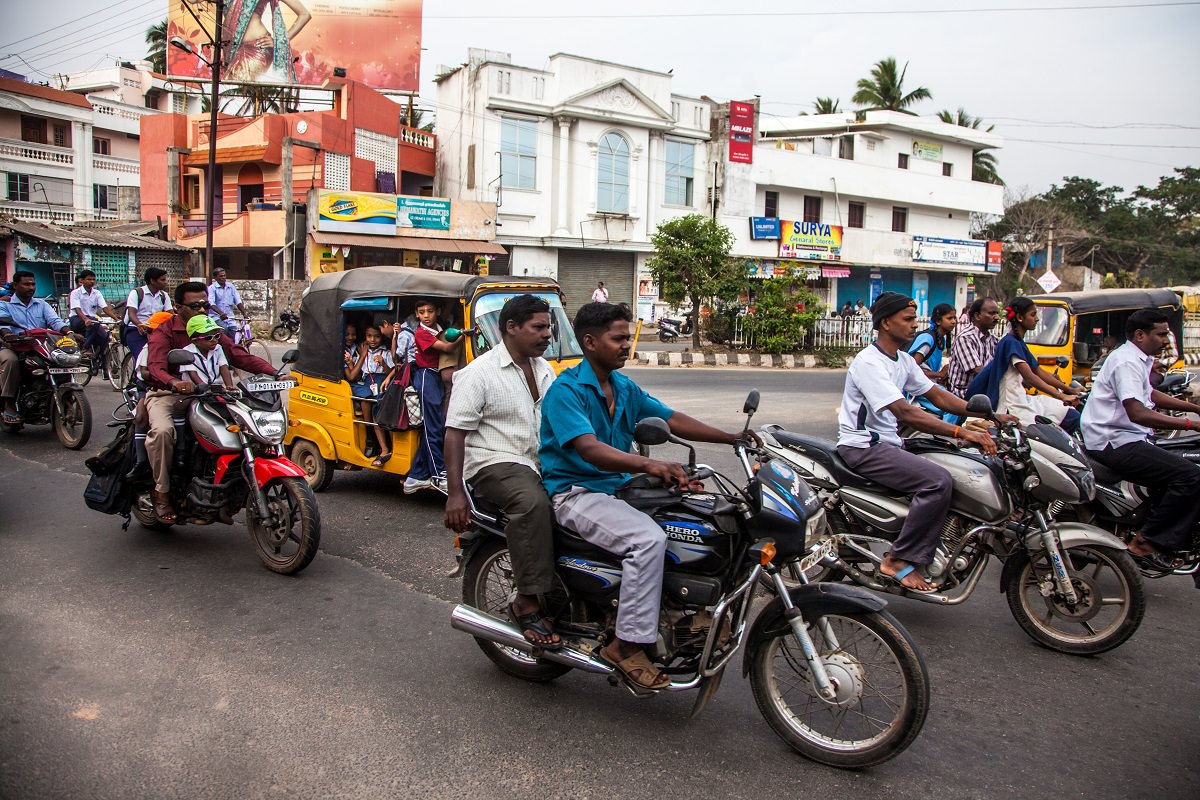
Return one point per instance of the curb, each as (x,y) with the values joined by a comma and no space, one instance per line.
(1192,359)
(665,359)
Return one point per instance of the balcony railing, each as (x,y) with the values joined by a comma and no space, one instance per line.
(127,166)
(56,215)
(33,151)
(418,137)
(130,113)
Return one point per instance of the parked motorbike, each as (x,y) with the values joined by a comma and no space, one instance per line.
(671,329)
(834,674)
(49,394)
(233,459)
(289,325)
(1072,587)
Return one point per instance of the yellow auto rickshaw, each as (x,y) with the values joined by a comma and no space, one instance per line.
(1076,329)
(326,432)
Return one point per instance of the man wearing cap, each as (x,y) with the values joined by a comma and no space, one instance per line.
(873,404)
(169,390)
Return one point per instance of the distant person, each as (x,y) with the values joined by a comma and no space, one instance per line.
(930,347)
(224,299)
(86,303)
(974,346)
(142,303)
(861,310)
(600,295)
(847,310)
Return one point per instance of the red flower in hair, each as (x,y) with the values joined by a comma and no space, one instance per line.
(1009,313)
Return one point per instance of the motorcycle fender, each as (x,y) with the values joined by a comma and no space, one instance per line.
(265,469)
(470,541)
(1070,534)
(813,600)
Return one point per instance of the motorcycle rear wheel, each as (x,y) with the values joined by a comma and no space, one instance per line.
(1050,623)
(665,337)
(142,508)
(291,544)
(487,584)
(883,690)
(73,425)
(281,333)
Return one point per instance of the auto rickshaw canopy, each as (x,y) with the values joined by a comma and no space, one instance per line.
(1102,300)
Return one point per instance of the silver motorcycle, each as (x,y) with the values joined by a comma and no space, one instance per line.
(1072,587)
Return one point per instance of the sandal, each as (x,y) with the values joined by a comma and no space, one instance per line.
(925,588)
(649,678)
(11,418)
(381,460)
(164,512)
(537,624)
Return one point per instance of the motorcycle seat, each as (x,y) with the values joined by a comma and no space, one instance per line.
(1172,380)
(1103,474)
(567,542)
(824,453)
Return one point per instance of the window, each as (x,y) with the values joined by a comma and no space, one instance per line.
(104,198)
(612,175)
(771,206)
(858,213)
(33,129)
(60,135)
(680,173)
(101,147)
(947,169)
(518,153)
(846,148)
(698,115)
(18,187)
(899,219)
(902,161)
(178,103)
(191,191)
(812,209)
(503,81)
(675,110)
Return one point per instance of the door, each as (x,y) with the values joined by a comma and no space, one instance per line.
(580,270)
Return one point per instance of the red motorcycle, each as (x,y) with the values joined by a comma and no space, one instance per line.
(49,395)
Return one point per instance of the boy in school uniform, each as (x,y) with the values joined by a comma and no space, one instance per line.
(210,363)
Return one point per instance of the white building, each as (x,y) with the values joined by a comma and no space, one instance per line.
(893,190)
(71,154)
(584,159)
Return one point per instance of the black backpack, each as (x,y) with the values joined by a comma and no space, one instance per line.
(107,491)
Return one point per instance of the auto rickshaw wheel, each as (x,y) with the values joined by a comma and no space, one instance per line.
(318,470)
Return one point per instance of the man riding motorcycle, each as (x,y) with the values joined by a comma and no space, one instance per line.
(588,418)
(24,312)
(169,391)
(873,403)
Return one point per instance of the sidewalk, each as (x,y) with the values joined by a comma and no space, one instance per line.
(659,358)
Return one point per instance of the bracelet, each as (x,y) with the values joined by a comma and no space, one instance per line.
(1187,424)
(957,431)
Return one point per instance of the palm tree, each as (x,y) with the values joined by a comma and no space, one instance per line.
(156,42)
(826,105)
(884,90)
(983,163)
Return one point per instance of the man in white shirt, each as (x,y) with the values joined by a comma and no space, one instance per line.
(86,303)
(600,295)
(142,303)
(492,441)
(869,440)
(1117,423)
(224,299)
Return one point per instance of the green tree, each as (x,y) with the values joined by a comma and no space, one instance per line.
(884,90)
(691,262)
(156,44)
(784,311)
(983,163)
(827,105)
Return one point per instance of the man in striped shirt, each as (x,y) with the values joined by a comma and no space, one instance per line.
(974,345)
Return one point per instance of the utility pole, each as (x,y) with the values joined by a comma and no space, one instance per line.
(289,228)
(212,187)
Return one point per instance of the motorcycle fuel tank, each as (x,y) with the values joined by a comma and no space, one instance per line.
(693,544)
(977,490)
(210,428)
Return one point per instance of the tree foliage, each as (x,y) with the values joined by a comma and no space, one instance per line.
(156,46)
(784,311)
(691,262)
(884,90)
(827,105)
(983,163)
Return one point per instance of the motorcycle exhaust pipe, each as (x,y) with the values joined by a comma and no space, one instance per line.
(485,626)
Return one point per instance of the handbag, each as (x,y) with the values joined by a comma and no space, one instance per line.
(392,412)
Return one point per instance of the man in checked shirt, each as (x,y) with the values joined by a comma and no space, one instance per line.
(492,438)
(974,346)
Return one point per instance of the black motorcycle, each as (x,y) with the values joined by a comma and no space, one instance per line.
(50,393)
(835,675)
(289,325)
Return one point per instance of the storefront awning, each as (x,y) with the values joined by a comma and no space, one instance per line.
(467,246)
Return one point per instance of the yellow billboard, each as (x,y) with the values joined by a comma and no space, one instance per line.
(815,241)
(356,212)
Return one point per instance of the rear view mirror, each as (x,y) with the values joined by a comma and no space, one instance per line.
(751,405)
(180,358)
(290,356)
(652,431)
(980,405)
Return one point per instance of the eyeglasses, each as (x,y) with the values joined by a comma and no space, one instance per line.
(197,306)
(208,337)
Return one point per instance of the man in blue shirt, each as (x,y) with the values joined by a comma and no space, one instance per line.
(224,299)
(588,417)
(24,312)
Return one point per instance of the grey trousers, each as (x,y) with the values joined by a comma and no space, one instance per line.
(518,490)
(929,485)
(621,529)
(10,373)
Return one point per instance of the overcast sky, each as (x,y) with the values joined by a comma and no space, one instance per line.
(1105,93)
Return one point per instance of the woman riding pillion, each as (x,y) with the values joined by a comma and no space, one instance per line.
(931,349)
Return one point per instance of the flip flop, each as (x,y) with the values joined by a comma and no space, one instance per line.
(638,661)
(381,460)
(163,511)
(11,418)
(899,577)
(533,622)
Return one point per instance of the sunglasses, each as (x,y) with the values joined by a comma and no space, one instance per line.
(207,337)
(198,305)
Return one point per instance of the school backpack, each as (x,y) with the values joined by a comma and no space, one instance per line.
(107,491)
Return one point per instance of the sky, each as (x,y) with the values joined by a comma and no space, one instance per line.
(1102,89)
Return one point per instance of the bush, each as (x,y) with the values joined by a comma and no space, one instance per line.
(835,357)
(717,326)
(776,324)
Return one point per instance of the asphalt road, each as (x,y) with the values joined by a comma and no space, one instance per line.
(138,664)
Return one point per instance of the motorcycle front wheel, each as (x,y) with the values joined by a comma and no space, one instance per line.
(487,584)
(287,542)
(1112,600)
(665,337)
(73,424)
(281,333)
(882,690)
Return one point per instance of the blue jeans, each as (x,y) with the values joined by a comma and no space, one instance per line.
(95,337)
(135,340)
(428,461)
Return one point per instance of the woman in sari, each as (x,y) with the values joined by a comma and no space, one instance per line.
(1014,369)
(256,54)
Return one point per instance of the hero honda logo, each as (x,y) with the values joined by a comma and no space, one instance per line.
(682,533)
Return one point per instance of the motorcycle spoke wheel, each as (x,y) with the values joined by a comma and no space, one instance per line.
(288,541)
(882,691)
(73,425)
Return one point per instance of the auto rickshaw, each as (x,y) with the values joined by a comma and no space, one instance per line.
(326,432)
(1076,329)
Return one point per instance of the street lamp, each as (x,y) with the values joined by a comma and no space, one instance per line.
(215,65)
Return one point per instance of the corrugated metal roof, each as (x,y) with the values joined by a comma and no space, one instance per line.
(86,237)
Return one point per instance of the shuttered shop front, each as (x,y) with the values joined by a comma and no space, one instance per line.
(580,270)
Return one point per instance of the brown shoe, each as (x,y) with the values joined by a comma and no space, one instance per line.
(164,512)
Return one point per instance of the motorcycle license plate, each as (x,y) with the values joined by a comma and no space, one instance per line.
(269,386)
(68,370)
(820,552)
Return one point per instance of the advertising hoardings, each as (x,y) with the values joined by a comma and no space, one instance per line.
(814,241)
(277,42)
(960,252)
(927,151)
(422,212)
(995,256)
(741,132)
(764,227)
(379,214)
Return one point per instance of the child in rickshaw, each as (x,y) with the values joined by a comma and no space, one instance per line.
(431,343)
(369,376)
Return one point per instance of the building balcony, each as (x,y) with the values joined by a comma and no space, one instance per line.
(113,170)
(34,153)
(112,116)
(248,229)
(52,214)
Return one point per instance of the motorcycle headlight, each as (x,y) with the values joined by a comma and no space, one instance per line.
(65,358)
(270,425)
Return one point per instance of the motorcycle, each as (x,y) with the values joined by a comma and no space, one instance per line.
(671,329)
(51,364)
(233,459)
(1072,587)
(834,674)
(289,325)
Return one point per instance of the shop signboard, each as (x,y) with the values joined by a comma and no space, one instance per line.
(422,212)
(356,212)
(814,241)
(927,151)
(1049,281)
(764,227)
(995,256)
(961,252)
(741,132)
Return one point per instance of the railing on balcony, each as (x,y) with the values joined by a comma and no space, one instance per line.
(128,166)
(130,113)
(37,213)
(418,137)
(32,151)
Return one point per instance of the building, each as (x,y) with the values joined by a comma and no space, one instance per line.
(583,160)
(860,202)
(71,154)
(293,190)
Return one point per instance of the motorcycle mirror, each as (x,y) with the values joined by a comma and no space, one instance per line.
(980,405)
(290,356)
(751,405)
(652,431)
(180,358)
